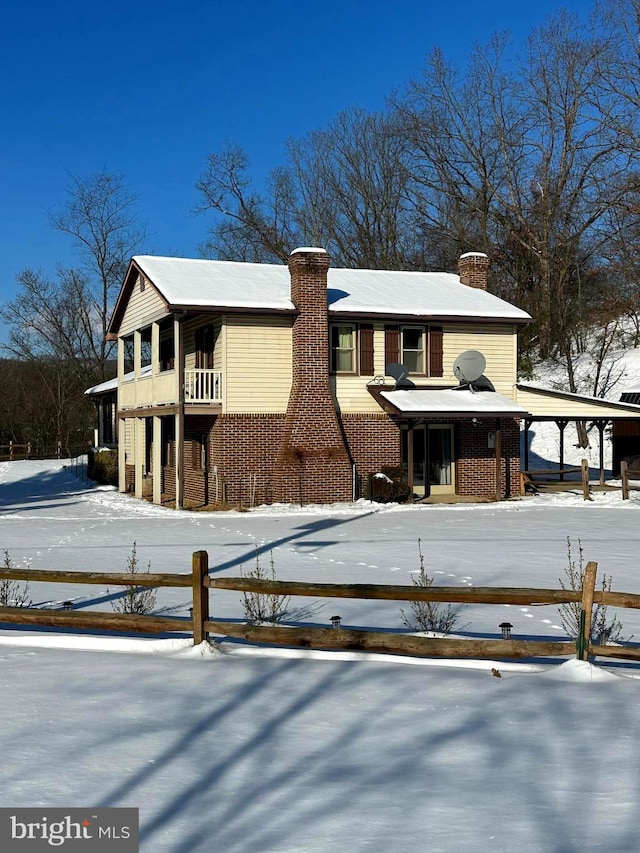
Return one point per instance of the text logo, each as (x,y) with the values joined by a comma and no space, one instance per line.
(70,830)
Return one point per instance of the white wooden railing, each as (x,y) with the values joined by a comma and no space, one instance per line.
(203,386)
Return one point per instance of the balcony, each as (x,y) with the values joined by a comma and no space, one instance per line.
(203,386)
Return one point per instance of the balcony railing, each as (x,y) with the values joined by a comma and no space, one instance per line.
(203,386)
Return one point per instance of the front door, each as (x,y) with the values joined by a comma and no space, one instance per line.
(432,457)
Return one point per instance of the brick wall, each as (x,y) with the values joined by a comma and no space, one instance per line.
(476,463)
(245,448)
(313,464)
(374,443)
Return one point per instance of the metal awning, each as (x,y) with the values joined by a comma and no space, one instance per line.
(450,403)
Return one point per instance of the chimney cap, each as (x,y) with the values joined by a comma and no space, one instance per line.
(474,255)
(309,250)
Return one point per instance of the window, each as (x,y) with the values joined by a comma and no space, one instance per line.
(199,453)
(343,349)
(167,346)
(129,351)
(417,347)
(168,442)
(145,347)
(205,341)
(413,348)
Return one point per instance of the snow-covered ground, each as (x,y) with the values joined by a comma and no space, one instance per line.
(254,750)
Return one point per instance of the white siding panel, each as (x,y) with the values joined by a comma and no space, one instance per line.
(497,343)
(143,308)
(257,365)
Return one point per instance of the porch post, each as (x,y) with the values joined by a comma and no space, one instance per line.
(601,424)
(527,426)
(155,348)
(122,456)
(410,459)
(498,460)
(156,461)
(138,454)
(179,430)
(561,424)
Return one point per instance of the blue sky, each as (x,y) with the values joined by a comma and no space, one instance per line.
(148,89)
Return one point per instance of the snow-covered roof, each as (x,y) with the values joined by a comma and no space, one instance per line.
(112,384)
(103,387)
(452,402)
(543,401)
(197,283)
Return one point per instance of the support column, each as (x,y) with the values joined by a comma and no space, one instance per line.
(179,432)
(156,461)
(498,460)
(179,423)
(155,348)
(410,459)
(562,425)
(138,454)
(122,456)
(602,425)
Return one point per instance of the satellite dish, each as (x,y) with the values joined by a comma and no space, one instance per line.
(399,373)
(483,383)
(469,366)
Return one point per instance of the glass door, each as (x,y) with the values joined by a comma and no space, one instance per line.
(431,457)
(441,473)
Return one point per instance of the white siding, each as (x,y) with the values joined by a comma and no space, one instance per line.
(257,364)
(497,343)
(143,307)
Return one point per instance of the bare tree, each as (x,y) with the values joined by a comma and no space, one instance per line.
(344,188)
(99,217)
(528,151)
(58,325)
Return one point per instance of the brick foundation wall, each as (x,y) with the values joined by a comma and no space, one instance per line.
(374,443)
(475,462)
(313,464)
(245,448)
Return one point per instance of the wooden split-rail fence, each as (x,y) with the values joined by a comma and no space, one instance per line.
(201,625)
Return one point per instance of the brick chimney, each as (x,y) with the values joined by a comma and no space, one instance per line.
(313,464)
(473,269)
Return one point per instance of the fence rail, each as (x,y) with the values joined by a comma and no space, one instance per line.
(32,450)
(201,625)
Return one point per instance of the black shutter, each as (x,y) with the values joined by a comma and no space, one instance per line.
(365,340)
(435,351)
(391,345)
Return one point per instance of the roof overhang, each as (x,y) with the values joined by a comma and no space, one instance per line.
(551,404)
(448,403)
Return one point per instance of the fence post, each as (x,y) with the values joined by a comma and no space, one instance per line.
(588,591)
(624,476)
(199,571)
(585,480)
(11,451)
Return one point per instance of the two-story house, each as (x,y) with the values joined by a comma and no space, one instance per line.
(257,383)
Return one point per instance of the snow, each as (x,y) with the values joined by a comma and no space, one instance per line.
(453,400)
(230,284)
(259,749)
